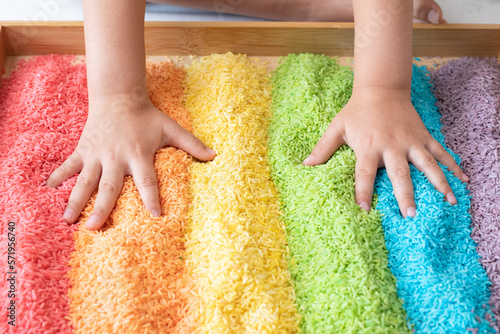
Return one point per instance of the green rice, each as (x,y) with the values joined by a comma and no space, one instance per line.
(338,260)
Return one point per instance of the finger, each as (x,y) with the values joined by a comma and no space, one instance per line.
(146,182)
(366,171)
(110,186)
(326,146)
(427,164)
(85,184)
(428,11)
(186,141)
(399,174)
(67,169)
(441,155)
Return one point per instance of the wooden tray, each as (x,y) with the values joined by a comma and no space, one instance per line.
(262,39)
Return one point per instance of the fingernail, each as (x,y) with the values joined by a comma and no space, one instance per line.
(411,212)
(308,160)
(68,215)
(465,178)
(450,198)
(211,151)
(155,213)
(92,222)
(364,206)
(433,16)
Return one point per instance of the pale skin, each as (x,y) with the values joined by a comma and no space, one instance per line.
(135,130)
(124,130)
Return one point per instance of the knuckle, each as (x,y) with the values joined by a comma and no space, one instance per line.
(84,146)
(148,182)
(445,153)
(74,158)
(66,166)
(63,168)
(430,162)
(364,173)
(321,146)
(58,174)
(107,187)
(83,182)
(113,156)
(401,172)
(195,141)
(438,150)
(139,151)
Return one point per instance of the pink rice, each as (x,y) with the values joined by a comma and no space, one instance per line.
(43,107)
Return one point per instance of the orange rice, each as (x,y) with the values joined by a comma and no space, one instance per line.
(235,246)
(130,277)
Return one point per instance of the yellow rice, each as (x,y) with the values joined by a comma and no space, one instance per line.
(235,246)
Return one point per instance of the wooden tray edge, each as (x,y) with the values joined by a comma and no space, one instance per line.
(3,53)
(252,38)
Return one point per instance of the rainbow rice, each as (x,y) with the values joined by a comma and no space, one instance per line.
(43,105)
(338,259)
(444,287)
(468,94)
(130,277)
(235,246)
(218,264)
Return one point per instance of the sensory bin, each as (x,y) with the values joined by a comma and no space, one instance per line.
(253,242)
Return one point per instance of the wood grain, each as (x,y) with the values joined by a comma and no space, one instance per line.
(253,38)
(456,40)
(3,53)
(35,38)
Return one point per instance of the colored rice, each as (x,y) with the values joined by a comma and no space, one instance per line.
(43,105)
(236,242)
(338,259)
(223,268)
(440,280)
(130,277)
(468,93)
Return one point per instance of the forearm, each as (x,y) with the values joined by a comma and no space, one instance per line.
(114,43)
(277,10)
(284,10)
(383,44)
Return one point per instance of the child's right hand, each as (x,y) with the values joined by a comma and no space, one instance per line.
(118,140)
(123,130)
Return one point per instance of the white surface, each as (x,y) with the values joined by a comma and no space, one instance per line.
(71,10)
(455,11)
(471,11)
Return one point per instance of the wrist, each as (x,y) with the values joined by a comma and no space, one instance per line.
(128,101)
(107,84)
(382,92)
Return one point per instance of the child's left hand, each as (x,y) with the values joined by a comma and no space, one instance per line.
(384,130)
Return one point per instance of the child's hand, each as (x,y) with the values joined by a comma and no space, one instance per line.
(123,130)
(115,142)
(384,129)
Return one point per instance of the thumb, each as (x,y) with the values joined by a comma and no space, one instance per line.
(330,142)
(186,141)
